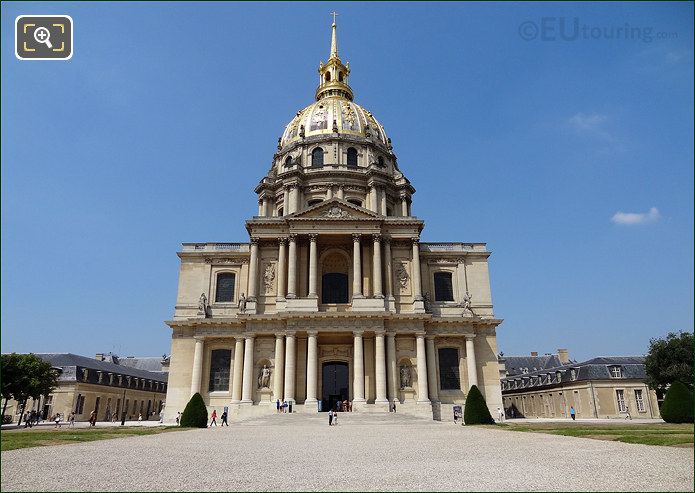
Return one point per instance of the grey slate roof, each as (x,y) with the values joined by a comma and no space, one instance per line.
(69,359)
(632,367)
(515,364)
(153,363)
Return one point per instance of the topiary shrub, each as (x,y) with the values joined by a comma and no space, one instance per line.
(476,411)
(195,415)
(678,404)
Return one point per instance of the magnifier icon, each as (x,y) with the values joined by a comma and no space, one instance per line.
(43,35)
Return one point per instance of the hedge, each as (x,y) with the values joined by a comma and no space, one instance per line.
(476,411)
(678,404)
(195,415)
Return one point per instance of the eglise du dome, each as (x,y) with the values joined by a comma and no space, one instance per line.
(334,298)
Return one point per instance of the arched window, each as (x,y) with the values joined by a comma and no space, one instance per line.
(389,211)
(220,360)
(314,202)
(281,212)
(328,77)
(340,76)
(443,287)
(352,157)
(449,369)
(288,162)
(380,162)
(334,288)
(356,202)
(224,293)
(317,157)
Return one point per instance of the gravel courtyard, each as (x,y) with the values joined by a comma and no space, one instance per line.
(365,452)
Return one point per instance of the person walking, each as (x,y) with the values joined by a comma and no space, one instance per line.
(573,413)
(284,406)
(57,420)
(277,406)
(335,419)
(93,418)
(214,418)
(178,417)
(500,414)
(140,418)
(330,417)
(224,419)
(71,420)
(627,413)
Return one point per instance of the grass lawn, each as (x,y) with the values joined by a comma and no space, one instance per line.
(14,439)
(648,434)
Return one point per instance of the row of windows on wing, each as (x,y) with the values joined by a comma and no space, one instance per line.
(334,287)
(318,153)
(117,380)
(79,407)
(615,371)
(221,359)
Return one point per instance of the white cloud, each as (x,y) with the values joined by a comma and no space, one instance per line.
(584,122)
(630,218)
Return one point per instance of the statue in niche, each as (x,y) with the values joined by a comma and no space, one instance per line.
(203,305)
(467,300)
(426,299)
(242,303)
(405,376)
(402,275)
(264,378)
(268,277)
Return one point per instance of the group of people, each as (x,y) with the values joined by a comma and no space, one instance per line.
(31,418)
(58,418)
(213,420)
(344,406)
(283,407)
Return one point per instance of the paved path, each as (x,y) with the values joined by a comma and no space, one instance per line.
(365,452)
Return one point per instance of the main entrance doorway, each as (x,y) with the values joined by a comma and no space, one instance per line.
(335,384)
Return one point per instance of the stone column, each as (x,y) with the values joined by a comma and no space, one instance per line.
(356,267)
(286,201)
(329,193)
(292,268)
(358,370)
(404,206)
(415,274)
(292,200)
(341,192)
(265,206)
(312,367)
(297,199)
(238,368)
(422,391)
(376,274)
(388,269)
(253,270)
(382,197)
(279,366)
(260,207)
(282,266)
(470,361)
(373,199)
(197,372)
(380,367)
(432,370)
(290,365)
(391,368)
(313,267)
(247,388)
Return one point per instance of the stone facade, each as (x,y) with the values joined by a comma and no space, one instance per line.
(335,296)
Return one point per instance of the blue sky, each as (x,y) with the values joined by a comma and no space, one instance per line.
(571,158)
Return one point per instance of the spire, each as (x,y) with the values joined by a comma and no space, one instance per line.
(334,38)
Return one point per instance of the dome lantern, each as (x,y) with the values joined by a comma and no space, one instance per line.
(333,75)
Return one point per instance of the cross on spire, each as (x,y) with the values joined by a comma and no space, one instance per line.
(334,38)
(334,13)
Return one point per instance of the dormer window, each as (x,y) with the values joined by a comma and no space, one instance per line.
(380,162)
(616,371)
(352,157)
(573,374)
(288,162)
(559,377)
(317,158)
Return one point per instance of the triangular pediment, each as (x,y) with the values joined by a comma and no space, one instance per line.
(335,209)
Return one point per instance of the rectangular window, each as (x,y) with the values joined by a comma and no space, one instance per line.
(449,369)
(79,408)
(443,287)
(224,292)
(135,406)
(220,360)
(639,400)
(620,395)
(616,372)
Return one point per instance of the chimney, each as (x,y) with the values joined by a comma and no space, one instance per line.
(534,353)
(563,355)
(100,357)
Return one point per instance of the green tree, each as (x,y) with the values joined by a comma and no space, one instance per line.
(195,414)
(476,411)
(670,360)
(28,376)
(678,404)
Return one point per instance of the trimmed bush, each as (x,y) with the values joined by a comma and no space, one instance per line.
(476,411)
(195,415)
(678,404)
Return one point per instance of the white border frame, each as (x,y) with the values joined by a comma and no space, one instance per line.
(72,37)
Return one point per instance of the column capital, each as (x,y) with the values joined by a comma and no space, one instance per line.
(415,239)
(420,334)
(279,335)
(391,333)
(291,333)
(292,237)
(386,240)
(199,338)
(430,337)
(282,240)
(380,332)
(358,333)
(341,187)
(376,237)
(313,237)
(356,237)
(312,333)
(249,335)
(254,240)
(469,337)
(403,195)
